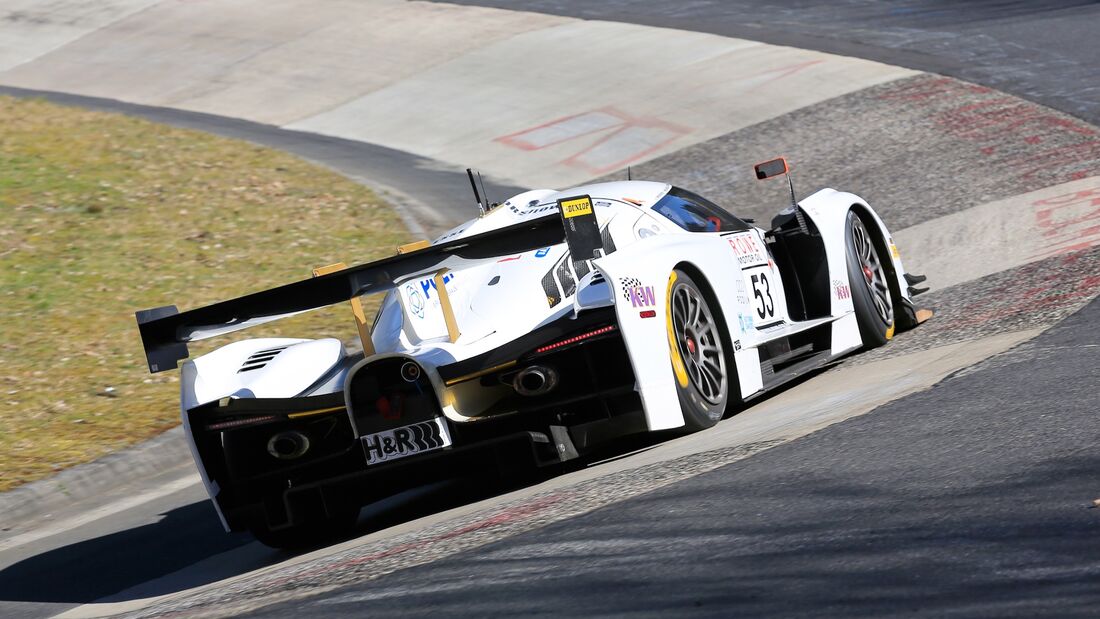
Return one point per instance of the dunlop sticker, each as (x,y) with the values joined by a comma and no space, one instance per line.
(576,207)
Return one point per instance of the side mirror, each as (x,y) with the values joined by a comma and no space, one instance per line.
(771,169)
(774,168)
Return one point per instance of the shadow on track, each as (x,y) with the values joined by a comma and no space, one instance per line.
(187,548)
(91,569)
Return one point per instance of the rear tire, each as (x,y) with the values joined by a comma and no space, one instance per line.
(870,289)
(695,338)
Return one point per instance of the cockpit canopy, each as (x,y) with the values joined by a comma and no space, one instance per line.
(695,213)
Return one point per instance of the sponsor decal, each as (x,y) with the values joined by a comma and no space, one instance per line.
(643,296)
(894,250)
(841,290)
(638,294)
(416,302)
(576,207)
(647,313)
(510,258)
(736,345)
(542,252)
(629,283)
(602,203)
(405,441)
(452,234)
(744,321)
(428,285)
(742,293)
(645,233)
(747,249)
(535,210)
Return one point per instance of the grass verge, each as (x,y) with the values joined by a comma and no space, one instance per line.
(102,215)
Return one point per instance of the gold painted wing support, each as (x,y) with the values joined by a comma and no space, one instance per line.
(356,309)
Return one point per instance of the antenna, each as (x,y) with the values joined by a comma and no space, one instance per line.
(790,183)
(628,177)
(477,196)
(484,194)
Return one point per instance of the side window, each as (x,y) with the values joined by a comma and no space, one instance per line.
(696,214)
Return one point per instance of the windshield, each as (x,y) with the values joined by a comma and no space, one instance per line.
(695,213)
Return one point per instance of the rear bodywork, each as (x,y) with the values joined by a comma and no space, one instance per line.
(285,429)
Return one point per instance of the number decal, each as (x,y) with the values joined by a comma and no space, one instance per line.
(765,307)
(768,293)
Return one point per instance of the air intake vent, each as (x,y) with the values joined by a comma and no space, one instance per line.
(259,359)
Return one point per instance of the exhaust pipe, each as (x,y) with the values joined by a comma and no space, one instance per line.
(289,445)
(535,380)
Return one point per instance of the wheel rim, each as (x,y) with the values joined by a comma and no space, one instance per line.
(874,277)
(699,342)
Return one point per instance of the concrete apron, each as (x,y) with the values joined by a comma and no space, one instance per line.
(1004,234)
(535,100)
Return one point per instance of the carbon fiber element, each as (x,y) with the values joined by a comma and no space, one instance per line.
(550,287)
(565,276)
(608,243)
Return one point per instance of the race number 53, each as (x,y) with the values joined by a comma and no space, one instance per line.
(763,302)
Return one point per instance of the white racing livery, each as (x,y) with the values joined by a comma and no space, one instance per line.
(550,325)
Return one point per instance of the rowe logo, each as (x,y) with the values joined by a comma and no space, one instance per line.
(405,441)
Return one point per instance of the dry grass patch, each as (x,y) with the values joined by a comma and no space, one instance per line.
(102,215)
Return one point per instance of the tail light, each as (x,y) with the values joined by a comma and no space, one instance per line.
(575,339)
(241,422)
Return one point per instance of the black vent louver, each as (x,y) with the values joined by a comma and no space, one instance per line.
(259,359)
(608,242)
(565,276)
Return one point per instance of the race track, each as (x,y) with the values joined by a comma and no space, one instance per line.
(948,473)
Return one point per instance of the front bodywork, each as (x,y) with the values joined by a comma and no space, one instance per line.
(464,320)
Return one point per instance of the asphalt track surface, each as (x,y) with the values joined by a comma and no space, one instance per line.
(1042,51)
(967,499)
(973,498)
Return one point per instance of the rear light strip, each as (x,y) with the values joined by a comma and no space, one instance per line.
(237,423)
(575,339)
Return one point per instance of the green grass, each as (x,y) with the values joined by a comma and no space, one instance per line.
(102,215)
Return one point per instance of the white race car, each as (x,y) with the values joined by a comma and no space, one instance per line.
(552,323)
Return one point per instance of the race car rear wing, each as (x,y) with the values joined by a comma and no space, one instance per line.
(165,331)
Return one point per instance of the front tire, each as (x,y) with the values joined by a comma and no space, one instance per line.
(698,354)
(870,289)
